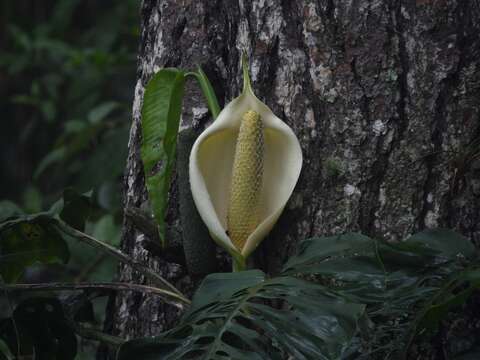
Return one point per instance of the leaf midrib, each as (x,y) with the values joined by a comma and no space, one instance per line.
(251,292)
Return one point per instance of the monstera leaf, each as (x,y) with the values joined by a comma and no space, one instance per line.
(236,316)
(394,281)
(355,285)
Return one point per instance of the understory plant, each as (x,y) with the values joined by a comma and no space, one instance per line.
(346,296)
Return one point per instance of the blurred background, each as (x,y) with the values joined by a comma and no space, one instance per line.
(67,72)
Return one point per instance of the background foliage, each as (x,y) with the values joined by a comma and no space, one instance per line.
(339,297)
(67,69)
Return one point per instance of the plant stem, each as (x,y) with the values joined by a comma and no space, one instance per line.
(144,270)
(207,90)
(173,298)
(238,264)
(95,335)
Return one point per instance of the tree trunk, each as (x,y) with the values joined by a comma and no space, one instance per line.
(384,97)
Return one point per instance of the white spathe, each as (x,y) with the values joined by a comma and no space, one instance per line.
(211,161)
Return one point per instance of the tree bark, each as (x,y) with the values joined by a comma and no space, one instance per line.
(384,97)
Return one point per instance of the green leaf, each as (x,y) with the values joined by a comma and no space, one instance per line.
(444,241)
(8,209)
(393,280)
(76,209)
(62,15)
(210,290)
(208,91)
(233,316)
(161,113)
(74,126)
(315,250)
(29,240)
(453,294)
(48,110)
(361,306)
(89,263)
(32,200)
(20,37)
(107,162)
(5,353)
(101,111)
(107,231)
(52,157)
(26,240)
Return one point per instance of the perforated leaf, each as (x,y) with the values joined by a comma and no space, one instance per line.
(361,301)
(245,315)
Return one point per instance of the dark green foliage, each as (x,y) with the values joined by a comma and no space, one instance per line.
(26,241)
(233,316)
(76,209)
(359,302)
(162,105)
(5,353)
(66,74)
(340,297)
(443,242)
(454,293)
(161,111)
(67,70)
(343,297)
(393,280)
(8,209)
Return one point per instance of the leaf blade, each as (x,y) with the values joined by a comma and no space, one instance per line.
(161,113)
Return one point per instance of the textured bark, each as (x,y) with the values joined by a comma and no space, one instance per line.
(383,95)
